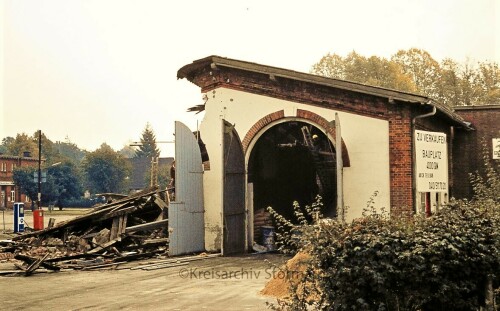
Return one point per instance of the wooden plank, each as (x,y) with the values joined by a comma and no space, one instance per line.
(35,265)
(120,212)
(52,221)
(114,228)
(103,247)
(106,265)
(160,202)
(71,257)
(150,242)
(147,226)
(30,260)
(93,214)
(137,256)
(123,224)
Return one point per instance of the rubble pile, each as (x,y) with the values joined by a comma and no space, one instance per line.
(128,229)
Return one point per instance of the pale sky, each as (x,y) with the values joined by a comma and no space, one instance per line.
(98,70)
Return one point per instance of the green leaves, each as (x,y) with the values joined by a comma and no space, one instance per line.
(148,147)
(382,263)
(105,170)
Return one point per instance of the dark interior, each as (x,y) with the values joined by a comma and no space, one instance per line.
(292,161)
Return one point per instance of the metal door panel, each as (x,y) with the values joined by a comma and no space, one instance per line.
(186,213)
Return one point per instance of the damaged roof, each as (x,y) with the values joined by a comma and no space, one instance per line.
(189,72)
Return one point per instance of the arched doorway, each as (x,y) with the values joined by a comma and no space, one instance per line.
(291,161)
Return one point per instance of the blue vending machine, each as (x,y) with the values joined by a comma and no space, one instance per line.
(18,217)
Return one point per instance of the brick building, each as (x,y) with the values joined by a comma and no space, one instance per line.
(9,192)
(469,147)
(404,150)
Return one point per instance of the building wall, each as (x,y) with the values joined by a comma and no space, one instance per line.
(398,115)
(469,146)
(377,131)
(366,140)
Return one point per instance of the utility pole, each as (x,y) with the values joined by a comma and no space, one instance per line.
(39,169)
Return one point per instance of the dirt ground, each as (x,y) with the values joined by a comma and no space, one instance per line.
(220,283)
(224,283)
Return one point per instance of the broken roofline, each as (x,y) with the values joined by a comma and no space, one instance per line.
(190,70)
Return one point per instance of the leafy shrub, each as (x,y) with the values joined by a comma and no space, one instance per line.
(443,262)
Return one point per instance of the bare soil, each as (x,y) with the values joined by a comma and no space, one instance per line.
(215,283)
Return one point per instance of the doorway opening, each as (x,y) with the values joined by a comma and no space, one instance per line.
(291,161)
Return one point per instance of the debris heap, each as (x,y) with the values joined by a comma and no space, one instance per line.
(128,229)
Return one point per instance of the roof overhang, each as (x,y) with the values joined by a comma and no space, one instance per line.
(189,72)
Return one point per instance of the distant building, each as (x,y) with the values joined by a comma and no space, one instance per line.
(9,192)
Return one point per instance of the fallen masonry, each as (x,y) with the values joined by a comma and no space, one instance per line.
(131,228)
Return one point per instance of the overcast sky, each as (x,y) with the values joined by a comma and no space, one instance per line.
(97,71)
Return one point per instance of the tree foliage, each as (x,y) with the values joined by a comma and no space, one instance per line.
(62,183)
(23,178)
(65,183)
(105,170)
(415,70)
(374,70)
(70,151)
(127,151)
(148,147)
(16,146)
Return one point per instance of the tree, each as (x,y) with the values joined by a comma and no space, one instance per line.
(127,151)
(23,178)
(489,82)
(415,71)
(70,151)
(105,170)
(424,70)
(374,71)
(20,144)
(147,148)
(63,183)
(450,84)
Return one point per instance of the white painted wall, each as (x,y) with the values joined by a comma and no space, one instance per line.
(367,141)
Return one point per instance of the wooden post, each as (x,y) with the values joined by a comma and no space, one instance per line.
(52,221)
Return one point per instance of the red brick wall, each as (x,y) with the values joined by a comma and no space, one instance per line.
(468,146)
(399,116)
(7,176)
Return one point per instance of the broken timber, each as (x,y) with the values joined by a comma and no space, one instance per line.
(124,230)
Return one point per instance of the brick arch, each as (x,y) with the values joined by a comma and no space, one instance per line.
(304,114)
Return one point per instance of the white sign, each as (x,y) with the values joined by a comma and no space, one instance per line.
(496,148)
(431,155)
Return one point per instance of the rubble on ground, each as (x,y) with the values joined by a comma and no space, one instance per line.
(127,229)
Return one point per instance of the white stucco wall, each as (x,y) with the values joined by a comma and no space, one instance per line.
(366,139)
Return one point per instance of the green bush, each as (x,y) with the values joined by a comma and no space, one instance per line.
(444,262)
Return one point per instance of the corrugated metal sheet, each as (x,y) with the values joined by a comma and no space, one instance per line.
(186,213)
(234,192)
